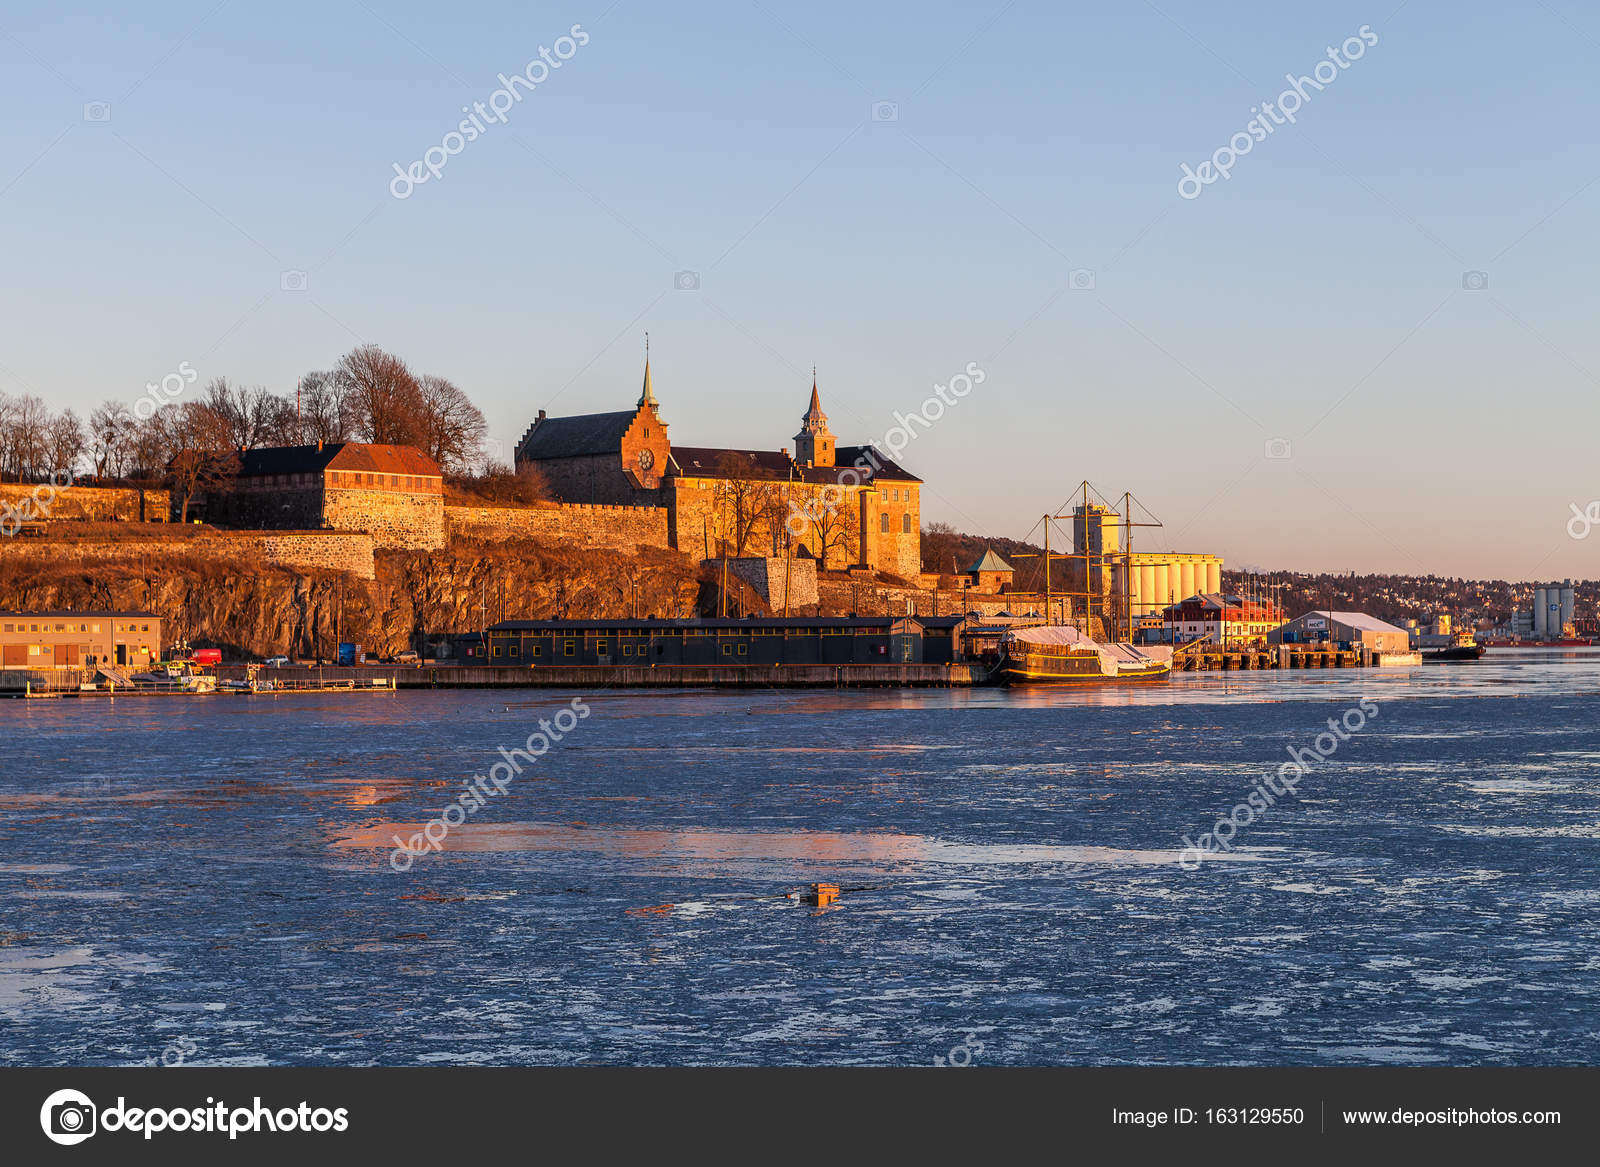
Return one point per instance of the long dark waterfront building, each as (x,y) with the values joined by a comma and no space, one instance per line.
(838,640)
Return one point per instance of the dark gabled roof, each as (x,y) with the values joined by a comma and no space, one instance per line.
(710,462)
(578,436)
(285,460)
(666,625)
(887,467)
(854,467)
(335,456)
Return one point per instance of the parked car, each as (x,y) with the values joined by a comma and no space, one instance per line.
(277,662)
(406,658)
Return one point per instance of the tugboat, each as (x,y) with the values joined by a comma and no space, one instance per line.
(1464,648)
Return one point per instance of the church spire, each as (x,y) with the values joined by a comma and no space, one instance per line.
(648,397)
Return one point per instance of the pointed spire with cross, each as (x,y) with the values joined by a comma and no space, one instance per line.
(647,397)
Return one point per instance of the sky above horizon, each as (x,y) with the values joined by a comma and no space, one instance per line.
(1364,349)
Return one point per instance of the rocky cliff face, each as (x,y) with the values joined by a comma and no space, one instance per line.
(250,610)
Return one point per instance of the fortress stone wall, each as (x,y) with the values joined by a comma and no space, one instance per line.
(616,528)
(394,519)
(100,504)
(298,550)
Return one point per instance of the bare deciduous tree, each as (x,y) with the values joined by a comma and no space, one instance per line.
(66,442)
(189,434)
(454,428)
(835,530)
(324,410)
(748,496)
(111,432)
(384,401)
(24,438)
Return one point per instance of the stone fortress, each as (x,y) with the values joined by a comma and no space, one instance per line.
(618,483)
(843,507)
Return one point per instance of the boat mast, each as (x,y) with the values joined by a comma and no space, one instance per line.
(1127,564)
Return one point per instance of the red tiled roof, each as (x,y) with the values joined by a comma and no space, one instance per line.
(389,459)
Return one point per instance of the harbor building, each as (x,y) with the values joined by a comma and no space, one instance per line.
(836,640)
(846,506)
(1355,629)
(47,640)
(1227,620)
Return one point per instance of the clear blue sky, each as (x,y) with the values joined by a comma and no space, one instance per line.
(1315,296)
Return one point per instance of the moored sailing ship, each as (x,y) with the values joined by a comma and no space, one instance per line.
(1060,654)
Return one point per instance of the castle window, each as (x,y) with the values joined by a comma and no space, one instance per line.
(883,524)
(905,524)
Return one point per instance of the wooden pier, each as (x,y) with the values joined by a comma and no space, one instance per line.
(1281,656)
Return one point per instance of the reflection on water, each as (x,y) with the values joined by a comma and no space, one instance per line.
(216,871)
(716,846)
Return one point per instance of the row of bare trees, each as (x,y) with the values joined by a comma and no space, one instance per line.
(369,396)
(35,443)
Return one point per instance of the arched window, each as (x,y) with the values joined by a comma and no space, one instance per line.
(883,524)
(905,524)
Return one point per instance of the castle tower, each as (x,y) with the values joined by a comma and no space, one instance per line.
(814,444)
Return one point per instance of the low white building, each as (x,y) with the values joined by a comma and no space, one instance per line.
(1356,629)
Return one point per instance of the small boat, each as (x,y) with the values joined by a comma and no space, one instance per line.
(1060,654)
(1467,650)
(174,677)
